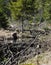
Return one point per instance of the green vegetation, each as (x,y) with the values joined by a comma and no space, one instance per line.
(3,21)
(35,10)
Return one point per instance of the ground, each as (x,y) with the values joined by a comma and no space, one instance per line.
(42,59)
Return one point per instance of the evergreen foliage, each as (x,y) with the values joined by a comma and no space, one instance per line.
(3,21)
(40,10)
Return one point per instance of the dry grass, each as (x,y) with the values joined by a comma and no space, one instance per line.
(42,59)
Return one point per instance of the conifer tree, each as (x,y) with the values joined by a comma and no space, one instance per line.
(3,21)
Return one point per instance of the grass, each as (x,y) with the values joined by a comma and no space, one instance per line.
(28,64)
(37,60)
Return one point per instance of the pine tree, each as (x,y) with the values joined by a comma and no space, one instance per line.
(3,21)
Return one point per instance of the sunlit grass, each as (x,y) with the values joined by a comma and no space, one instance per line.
(38,60)
(28,64)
